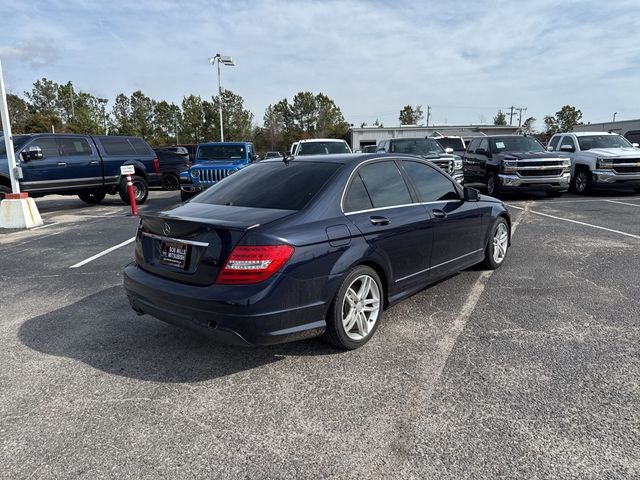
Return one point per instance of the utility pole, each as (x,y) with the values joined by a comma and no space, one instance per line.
(73,110)
(520,110)
(428,114)
(511,115)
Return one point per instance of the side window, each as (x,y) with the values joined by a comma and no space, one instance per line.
(568,140)
(473,144)
(75,146)
(117,146)
(484,145)
(357,197)
(140,146)
(385,184)
(554,142)
(49,146)
(431,185)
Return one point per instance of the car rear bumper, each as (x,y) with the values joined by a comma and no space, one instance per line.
(610,178)
(517,182)
(249,322)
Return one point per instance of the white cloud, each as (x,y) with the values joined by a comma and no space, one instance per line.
(372,57)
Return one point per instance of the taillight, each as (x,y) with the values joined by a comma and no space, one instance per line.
(253,264)
(156,165)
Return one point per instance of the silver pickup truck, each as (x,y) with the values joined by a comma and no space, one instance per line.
(599,160)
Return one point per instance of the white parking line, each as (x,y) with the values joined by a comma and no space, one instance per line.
(623,203)
(104,252)
(579,223)
(44,226)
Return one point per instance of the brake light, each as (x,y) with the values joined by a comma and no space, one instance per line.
(156,165)
(253,264)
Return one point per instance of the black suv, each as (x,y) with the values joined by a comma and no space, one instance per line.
(515,163)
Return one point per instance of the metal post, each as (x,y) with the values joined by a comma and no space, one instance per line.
(220,101)
(73,110)
(8,139)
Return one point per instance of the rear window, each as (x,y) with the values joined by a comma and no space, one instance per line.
(140,146)
(117,146)
(322,148)
(455,144)
(271,184)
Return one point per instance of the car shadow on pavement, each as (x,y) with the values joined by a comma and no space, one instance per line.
(102,331)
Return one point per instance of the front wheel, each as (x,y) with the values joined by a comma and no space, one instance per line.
(498,244)
(582,182)
(356,309)
(170,181)
(140,189)
(493,185)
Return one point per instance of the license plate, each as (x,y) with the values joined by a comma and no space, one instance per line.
(174,254)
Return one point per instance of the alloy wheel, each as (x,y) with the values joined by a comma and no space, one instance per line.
(491,185)
(500,243)
(361,307)
(581,182)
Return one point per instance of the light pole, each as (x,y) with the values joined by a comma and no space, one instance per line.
(229,62)
(73,110)
(103,102)
(614,116)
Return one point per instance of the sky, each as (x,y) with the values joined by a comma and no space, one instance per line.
(466,58)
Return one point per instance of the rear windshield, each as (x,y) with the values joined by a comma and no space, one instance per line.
(322,148)
(515,144)
(222,152)
(271,184)
(602,141)
(18,142)
(454,143)
(416,146)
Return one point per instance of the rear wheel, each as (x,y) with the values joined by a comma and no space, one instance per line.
(493,185)
(356,309)
(582,182)
(3,191)
(93,197)
(498,244)
(140,189)
(170,181)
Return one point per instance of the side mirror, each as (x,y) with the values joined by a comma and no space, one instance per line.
(635,145)
(549,148)
(471,194)
(448,150)
(34,153)
(567,148)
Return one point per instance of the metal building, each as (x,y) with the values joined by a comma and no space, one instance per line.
(620,126)
(372,135)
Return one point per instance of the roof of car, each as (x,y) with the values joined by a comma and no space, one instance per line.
(321,140)
(343,158)
(223,143)
(583,134)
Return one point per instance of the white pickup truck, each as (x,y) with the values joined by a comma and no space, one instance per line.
(599,160)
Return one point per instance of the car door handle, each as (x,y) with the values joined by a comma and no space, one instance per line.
(439,213)
(95,162)
(379,221)
(62,164)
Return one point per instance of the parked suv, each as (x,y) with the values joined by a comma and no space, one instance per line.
(599,160)
(83,165)
(173,161)
(427,148)
(515,163)
(214,162)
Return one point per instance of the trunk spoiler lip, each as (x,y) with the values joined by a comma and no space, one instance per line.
(173,239)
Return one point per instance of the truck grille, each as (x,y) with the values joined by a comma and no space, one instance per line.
(540,167)
(626,165)
(626,169)
(214,175)
(445,164)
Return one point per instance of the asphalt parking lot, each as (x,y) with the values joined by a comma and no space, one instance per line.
(530,371)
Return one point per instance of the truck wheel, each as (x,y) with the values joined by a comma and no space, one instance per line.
(582,182)
(140,188)
(4,190)
(498,244)
(170,181)
(93,197)
(493,185)
(354,314)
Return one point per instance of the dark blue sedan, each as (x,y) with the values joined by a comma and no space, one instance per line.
(296,248)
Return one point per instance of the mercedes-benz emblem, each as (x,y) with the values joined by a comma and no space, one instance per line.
(166,229)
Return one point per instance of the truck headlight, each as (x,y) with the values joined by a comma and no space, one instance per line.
(195,173)
(509,165)
(604,163)
(457,164)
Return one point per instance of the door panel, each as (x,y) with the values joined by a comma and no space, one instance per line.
(83,163)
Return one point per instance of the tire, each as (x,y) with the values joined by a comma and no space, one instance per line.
(493,185)
(4,190)
(554,193)
(498,244)
(140,187)
(581,182)
(170,181)
(92,197)
(349,325)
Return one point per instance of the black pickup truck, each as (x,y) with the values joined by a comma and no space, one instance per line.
(515,163)
(83,165)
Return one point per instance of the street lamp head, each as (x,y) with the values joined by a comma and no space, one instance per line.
(224,59)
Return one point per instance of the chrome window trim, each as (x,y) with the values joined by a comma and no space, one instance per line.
(172,239)
(439,265)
